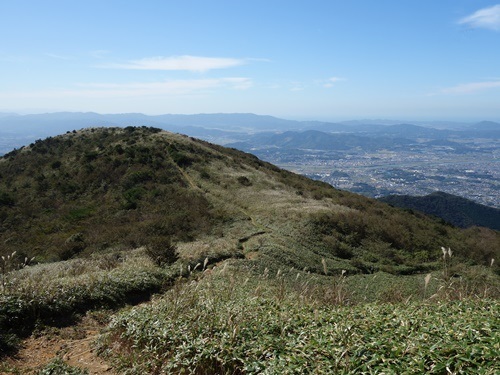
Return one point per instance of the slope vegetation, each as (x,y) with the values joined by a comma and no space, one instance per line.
(455,210)
(95,189)
(258,270)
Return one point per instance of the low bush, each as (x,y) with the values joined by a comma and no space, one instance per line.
(56,293)
(58,367)
(224,324)
(161,251)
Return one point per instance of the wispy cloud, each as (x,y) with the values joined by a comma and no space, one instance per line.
(470,88)
(486,18)
(296,86)
(186,62)
(99,53)
(149,89)
(330,82)
(58,57)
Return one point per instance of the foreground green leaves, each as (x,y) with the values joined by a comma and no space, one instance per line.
(220,326)
(58,367)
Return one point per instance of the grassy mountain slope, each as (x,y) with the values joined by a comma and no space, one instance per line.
(94,189)
(455,210)
(275,273)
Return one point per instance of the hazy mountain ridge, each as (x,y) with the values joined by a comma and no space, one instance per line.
(293,143)
(485,125)
(317,140)
(223,128)
(451,208)
(239,122)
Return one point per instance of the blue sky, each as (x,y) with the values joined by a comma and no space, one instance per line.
(324,60)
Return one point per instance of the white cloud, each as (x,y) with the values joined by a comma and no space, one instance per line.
(332,80)
(487,18)
(59,57)
(470,88)
(238,83)
(186,62)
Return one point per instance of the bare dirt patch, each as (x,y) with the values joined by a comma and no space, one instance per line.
(72,344)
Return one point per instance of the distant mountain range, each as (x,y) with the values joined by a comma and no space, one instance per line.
(485,126)
(455,210)
(317,140)
(265,135)
(251,132)
(224,125)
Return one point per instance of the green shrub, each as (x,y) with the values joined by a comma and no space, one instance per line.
(58,367)
(6,199)
(137,177)
(224,325)
(243,180)
(56,293)
(161,251)
(56,164)
(8,343)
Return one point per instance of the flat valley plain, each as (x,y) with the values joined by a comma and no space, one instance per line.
(418,170)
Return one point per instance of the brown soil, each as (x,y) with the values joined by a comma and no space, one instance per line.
(72,344)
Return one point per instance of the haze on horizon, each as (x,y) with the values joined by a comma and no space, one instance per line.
(320,60)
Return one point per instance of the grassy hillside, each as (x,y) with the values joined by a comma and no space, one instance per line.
(261,326)
(88,191)
(114,215)
(91,190)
